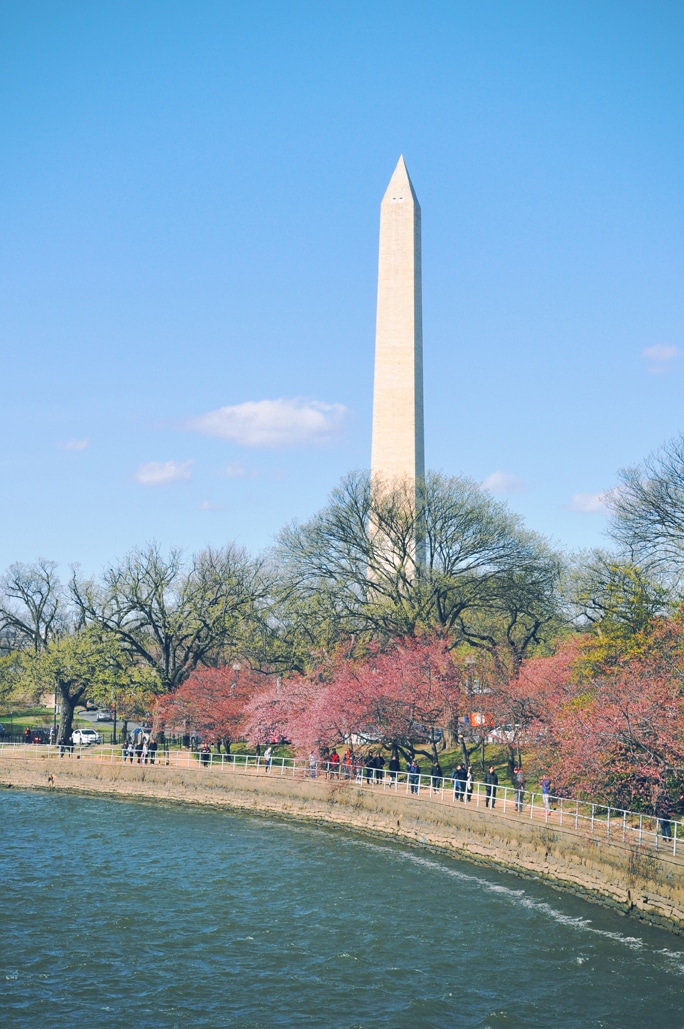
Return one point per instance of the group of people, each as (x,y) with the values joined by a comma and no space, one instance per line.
(373,768)
(141,747)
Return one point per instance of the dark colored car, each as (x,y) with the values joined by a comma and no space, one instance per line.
(39,736)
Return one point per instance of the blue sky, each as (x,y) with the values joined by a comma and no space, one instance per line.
(189,206)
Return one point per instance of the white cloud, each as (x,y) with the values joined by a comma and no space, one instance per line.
(236,470)
(75,444)
(159,473)
(206,505)
(588,503)
(503,482)
(660,356)
(273,423)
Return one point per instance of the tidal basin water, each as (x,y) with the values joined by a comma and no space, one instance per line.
(129,914)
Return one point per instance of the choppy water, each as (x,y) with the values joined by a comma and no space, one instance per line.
(119,914)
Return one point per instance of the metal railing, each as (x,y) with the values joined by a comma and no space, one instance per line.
(593,820)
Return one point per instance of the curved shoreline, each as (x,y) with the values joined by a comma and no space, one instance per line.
(629,878)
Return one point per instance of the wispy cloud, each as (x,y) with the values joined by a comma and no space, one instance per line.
(236,470)
(159,473)
(660,357)
(206,505)
(273,423)
(75,444)
(503,482)
(588,503)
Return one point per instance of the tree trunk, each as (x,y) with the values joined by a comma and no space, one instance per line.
(68,704)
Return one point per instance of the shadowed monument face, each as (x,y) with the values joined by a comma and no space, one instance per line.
(398,450)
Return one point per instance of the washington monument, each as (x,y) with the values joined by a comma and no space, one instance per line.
(398,448)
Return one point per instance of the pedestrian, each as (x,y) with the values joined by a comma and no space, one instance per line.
(663,810)
(519,785)
(435,776)
(468,785)
(394,768)
(545,783)
(413,770)
(205,754)
(379,767)
(268,757)
(335,764)
(491,782)
(152,748)
(124,749)
(369,769)
(145,750)
(458,777)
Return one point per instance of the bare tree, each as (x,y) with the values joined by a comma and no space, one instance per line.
(171,615)
(476,574)
(32,606)
(648,508)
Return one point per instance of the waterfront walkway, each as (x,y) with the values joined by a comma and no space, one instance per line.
(592,821)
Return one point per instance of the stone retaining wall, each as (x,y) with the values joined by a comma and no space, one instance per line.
(632,879)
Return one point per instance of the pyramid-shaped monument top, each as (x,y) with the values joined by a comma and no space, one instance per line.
(400,185)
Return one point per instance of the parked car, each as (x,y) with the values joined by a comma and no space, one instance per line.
(90,705)
(84,737)
(103,716)
(39,736)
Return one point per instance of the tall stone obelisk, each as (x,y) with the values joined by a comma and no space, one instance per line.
(398,448)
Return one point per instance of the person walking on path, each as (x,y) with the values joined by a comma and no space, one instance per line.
(491,782)
(312,764)
(663,810)
(268,758)
(152,748)
(519,784)
(205,754)
(545,783)
(469,784)
(414,776)
(394,768)
(435,776)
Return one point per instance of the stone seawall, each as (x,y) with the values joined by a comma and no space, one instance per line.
(632,879)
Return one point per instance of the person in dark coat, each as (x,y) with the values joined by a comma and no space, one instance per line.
(435,776)
(414,775)
(491,782)
(394,767)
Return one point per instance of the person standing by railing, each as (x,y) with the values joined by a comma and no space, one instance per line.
(435,776)
(413,770)
(312,764)
(469,784)
(394,768)
(491,782)
(545,783)
(268,758)
(519,785)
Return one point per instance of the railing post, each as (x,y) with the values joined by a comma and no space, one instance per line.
(561,811)
(608,824)
(593,810)
(624,826)
(576,813)
(531,806)
(505,797)
(674,842)
(641,828)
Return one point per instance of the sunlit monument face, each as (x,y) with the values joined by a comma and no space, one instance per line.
(398,452)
